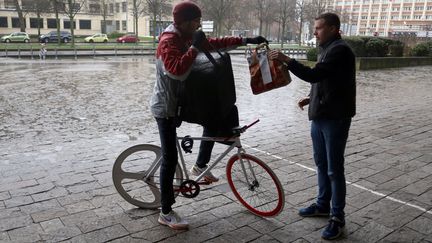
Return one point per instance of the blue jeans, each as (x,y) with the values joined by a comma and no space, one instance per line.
(329,139)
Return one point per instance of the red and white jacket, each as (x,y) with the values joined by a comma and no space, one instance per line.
(174,60)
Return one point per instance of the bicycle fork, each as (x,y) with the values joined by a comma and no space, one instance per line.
(244,169)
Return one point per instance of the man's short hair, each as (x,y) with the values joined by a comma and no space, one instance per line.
(330,19)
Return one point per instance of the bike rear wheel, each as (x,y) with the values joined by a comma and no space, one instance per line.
(136,175)
(255,185)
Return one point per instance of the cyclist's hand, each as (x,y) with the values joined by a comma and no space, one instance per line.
(256,40)
(199,39)
(303,102)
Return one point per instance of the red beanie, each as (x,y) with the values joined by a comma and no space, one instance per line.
(185,11)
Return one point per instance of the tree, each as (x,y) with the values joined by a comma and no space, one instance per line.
(39,8)
(300,17)
(138,9)
(232,17)
(156,9)
(70,8)
(261,11)
(220,11)
(20,16)
(56,7)
(285,13)
(313,9)
(102,9)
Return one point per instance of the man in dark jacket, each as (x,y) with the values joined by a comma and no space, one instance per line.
(178,47)
(331,106)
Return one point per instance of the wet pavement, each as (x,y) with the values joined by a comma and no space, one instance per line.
(64,122)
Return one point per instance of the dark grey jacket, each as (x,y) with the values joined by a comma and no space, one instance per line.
(333,92)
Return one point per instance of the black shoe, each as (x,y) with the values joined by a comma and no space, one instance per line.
(314,211)
(334,229)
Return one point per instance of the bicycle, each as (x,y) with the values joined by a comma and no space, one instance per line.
(252,182)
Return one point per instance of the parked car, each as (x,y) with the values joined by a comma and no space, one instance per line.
(97,38)
(65,37)
(128,38)
(16,37)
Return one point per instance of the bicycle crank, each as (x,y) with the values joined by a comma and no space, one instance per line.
(189,189)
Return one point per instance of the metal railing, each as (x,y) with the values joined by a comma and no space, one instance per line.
(117,50)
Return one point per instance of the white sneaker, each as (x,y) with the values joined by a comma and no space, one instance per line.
(196,171)
(173,220)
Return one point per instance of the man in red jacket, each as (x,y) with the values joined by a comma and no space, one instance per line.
(178,47)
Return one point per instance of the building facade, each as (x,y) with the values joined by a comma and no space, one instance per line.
(386,18)
(88,20)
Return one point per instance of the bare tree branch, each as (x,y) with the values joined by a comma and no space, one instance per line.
(156,9)
(70,8)
(39,8)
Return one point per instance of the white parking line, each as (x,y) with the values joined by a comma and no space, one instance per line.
(348,182)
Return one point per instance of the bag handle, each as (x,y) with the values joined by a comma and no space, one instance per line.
(209,56)
(262,45)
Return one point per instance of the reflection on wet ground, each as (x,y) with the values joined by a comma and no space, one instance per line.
(96,96)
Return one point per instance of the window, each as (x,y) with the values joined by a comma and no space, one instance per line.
(52,23)
(34,23)
(373,17)
(111,8)
(417,16)
(85,24)
(66,24)
(3,22)
(76,7)
(117,25)
(124,25)
(94,8)
(16,23)
(364,17)
(27,4)
(394,17)
(395,9)
(383,17)
(117,7)
(405,17)
(124,7)
(429,8)
(419,8)
(407,8)
(9,4)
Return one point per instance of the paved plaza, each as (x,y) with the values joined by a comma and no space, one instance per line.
(64,122)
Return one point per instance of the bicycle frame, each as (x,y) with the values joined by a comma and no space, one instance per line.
(236,143)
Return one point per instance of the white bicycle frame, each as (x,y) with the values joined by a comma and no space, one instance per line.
(236,143)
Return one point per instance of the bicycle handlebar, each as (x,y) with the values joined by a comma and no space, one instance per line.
(245,127)
(253,123)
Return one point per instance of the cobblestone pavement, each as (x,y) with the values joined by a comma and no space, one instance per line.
(63,123)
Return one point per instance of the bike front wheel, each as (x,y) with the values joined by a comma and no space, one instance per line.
(136,175)
(255,185)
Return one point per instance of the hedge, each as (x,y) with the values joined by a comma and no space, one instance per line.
(365,46)
(312,54)
(422,49)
